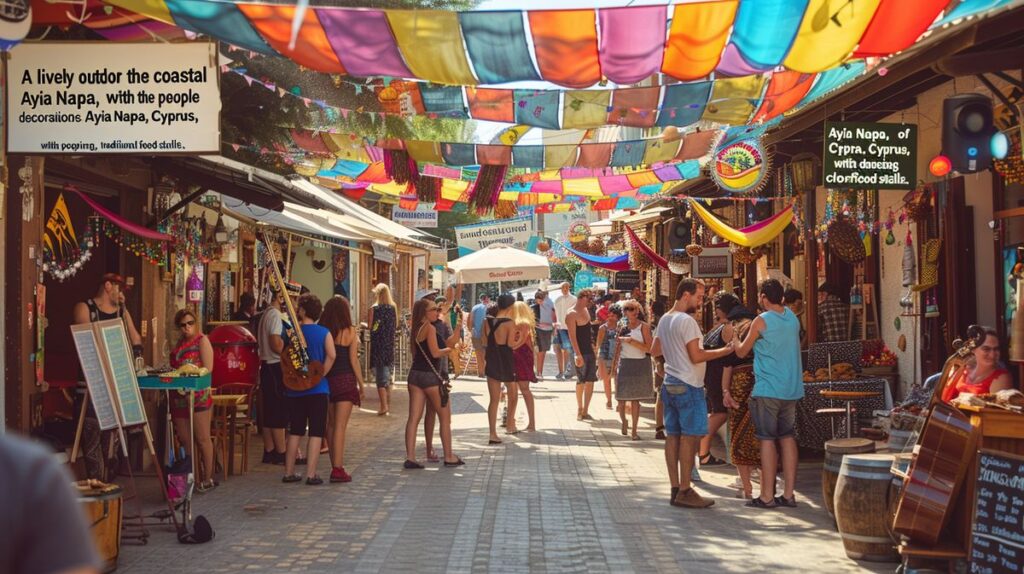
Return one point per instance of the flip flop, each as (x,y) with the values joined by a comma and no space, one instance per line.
(458,462)
(492,441)
(758,503)
(787,502)
(410,465)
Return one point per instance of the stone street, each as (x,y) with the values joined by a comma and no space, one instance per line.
(571,497)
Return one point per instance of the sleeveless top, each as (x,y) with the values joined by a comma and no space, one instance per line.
(585,339)
(631,352)
(421,359)
(778,373)
(962,385)
(315,336)
(382,336)
(342,363)
(501,365)
(96,314)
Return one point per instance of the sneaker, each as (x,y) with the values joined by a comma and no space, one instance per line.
(338,474)
(689,498)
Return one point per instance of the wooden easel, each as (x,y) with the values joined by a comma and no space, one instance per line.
(113,390)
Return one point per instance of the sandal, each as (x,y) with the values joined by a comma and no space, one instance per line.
(431,457)
(412,465)
(314,481)
(458,462)
(493,441)
(291,478)
(711,460)
(636,437)
(758,503)
(787,502)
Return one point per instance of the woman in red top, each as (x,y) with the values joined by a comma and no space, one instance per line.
(193,347)
(983,375)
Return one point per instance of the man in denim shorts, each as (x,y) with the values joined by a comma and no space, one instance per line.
(778,384)
(680,341)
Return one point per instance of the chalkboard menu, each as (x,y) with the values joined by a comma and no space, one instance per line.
(626,280)
(870,156)
(997,534)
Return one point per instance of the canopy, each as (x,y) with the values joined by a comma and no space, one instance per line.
(498,262)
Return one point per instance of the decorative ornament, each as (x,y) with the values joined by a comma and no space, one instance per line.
(741,167)
(578,231)
(845,240)
(15,22)
(1012,168)
(543,246)
(194,287)
(897,323)
(747,255)
(940,166)
(917,203)
(693,250)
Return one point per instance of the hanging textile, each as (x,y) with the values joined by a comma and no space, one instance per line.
(637,107)
(219,20)
(683,104)
(445,101)
(785,89)
(538,108)
(496,42)
(565,43)
(364,42)
(583,109)
(829,33)
(833,79)
(632,42)
(609,262)
(645,249)
(657,151)
(733,99)
(431,43)
(696,38)
(490,104)
(124,224)
(528,156)
(765,47)
(758,234)
(312,48)
(896,25)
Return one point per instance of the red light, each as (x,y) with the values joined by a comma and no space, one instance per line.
(940,166)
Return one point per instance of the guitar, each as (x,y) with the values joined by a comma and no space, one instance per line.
(941,457)
(299,373)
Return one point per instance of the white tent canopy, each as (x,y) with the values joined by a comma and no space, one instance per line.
(497,262)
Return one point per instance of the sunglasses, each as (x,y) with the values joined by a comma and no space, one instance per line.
(184,324)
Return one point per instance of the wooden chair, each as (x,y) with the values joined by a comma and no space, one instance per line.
(233,424)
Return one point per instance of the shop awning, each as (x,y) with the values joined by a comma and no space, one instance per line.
(647,216)
(235,179)
(290,218)
(381,224)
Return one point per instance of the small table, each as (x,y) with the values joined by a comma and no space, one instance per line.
(848,397)
(229,404)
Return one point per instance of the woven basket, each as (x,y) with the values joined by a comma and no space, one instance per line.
(845,241)
(694,250)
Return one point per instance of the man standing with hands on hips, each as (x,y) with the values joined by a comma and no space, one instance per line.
(680,341)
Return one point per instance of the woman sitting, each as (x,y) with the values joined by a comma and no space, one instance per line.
(984,375)
(194,348)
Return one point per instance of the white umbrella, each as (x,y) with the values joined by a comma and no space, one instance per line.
(497,263)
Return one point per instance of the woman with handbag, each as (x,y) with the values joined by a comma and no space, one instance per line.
(426,383)
(345,379)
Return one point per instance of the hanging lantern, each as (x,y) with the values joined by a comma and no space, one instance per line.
(15,21)
(194,287)
(940,166)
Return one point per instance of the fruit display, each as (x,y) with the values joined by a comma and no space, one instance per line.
(840,372)
(876,354)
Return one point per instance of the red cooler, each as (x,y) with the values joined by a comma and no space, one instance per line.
(236,357)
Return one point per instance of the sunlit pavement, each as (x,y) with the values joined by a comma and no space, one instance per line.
(571,497)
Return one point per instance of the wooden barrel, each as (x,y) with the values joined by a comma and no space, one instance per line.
(898,470)
(861,503)
(835,450)
(102,508)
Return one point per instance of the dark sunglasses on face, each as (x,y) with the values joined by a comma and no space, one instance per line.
(188,323)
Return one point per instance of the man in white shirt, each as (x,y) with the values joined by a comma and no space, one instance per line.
(563,346)
(680,341)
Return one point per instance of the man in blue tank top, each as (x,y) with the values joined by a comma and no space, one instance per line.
(778,384)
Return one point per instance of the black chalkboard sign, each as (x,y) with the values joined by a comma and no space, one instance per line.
(997,533)
(626,280)
(870,156)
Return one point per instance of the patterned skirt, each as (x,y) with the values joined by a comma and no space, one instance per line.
(743,445)
(635,380)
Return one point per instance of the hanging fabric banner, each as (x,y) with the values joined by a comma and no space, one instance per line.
(609,262)
(646,249)
(752,236)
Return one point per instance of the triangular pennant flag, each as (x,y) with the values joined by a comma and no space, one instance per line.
(248,80)
(281,92)
(224,68)
(344,113)
(235,146)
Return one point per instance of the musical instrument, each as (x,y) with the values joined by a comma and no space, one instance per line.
(861,499)
(941,457)
(299,373)
(835,450)
(101,504)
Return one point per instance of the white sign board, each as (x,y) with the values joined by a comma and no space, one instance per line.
(424,216)
(515,232)
(113,98)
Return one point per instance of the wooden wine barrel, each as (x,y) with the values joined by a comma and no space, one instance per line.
(861,503)
(835,450)
(899,469)
(102,508)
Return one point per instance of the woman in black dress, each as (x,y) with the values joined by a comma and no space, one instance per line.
(499,332)
(383,321)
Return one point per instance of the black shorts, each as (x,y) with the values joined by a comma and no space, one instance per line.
(715,398)
(273,406)
(422,379)
(588,372)
(311,409)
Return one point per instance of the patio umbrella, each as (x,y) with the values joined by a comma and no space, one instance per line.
(497,263)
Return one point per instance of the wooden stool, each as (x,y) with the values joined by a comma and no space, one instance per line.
(848,397)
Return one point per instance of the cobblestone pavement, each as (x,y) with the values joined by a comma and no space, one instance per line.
(571,497)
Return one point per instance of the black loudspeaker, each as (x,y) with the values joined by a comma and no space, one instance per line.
(677,234)
(967,130)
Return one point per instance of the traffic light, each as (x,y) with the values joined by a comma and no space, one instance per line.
(967,131)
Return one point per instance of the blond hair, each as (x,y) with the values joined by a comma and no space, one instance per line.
(383,294)
(523,315)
